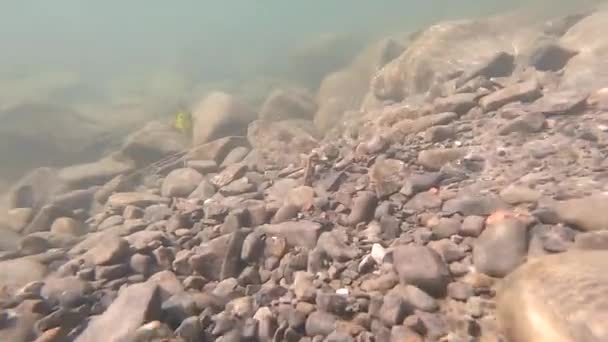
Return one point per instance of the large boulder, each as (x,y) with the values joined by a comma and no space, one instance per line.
(134,306)
(345,89)
(588,69)
(452,48)
(95,173)
(152,142)
(45,134)
(219,115)
(18,272)
(339,92)
(34,190)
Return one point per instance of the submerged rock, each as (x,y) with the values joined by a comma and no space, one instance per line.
(219,115)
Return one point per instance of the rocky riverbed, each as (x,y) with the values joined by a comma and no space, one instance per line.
(434,174)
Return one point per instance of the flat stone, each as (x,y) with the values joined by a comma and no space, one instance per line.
(229,174)
(516,194)
(139,199)
(109,250)
(479,205)
(237,187)
(457,103)
(203,191)
(561,102)
(235,156)
(181,182)
(526,92)
(528,123)
(134,306)
(216,150)
(202,166)
(434,159)
(168,283)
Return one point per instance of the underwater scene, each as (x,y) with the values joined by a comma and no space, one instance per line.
(304,171)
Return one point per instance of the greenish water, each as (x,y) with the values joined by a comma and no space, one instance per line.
(125,62)
(110,41)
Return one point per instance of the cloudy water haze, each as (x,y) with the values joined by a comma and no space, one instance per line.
(339,170)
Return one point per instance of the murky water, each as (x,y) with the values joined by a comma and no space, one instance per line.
(122,64)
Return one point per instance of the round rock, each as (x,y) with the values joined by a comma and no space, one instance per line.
(559,297)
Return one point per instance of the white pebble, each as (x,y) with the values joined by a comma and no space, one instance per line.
(378,253)
(342,292)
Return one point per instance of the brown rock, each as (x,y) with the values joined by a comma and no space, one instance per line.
(300,233)
(202,166)
(592,240)
(340,91)
(229,174)
(281,143)
(153,142)
(44,218)
(181,182)
(16,273)
(219,115)
(550,56)
(203,191)
(216,150)
(363,208)
(457,103)
(18,218)
(167,282)
(134,306)
(69,226)
(588,213)
(528,123)
(235,156)
(119,183)
(301,197)
(526,92)
(421,267)
(109,250)
(500,248)
(515,194)
(434,159)
(139,199)
(470,204)
(95,173)
(387,176)
(209,257)
(33,244)
(408,126)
